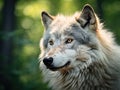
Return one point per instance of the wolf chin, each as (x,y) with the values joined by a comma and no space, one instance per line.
(77,53)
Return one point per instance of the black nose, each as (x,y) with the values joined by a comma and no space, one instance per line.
(48,61)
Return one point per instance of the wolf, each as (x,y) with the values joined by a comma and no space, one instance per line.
(78,53)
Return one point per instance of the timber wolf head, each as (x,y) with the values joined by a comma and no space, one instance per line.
(77,53)
(69,41)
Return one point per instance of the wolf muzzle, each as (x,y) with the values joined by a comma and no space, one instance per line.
(49,64)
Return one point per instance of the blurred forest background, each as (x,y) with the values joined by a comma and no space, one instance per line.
(21,29)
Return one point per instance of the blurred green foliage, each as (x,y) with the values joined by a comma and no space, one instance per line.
(24,73)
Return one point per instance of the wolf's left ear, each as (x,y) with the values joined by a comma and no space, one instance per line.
(87,17)
(46,19)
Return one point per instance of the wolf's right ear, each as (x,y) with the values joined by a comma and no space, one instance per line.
(87,17)
(46,19)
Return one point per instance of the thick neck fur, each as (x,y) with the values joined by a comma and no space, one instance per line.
(90,78)
(86,79)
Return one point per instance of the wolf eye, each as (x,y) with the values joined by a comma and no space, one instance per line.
(69,40)
(51,42)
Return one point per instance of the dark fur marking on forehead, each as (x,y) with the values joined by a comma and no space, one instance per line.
(57,35)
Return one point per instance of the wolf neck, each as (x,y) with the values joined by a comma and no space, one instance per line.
(87,79)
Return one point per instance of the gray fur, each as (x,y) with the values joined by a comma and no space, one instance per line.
(95,57)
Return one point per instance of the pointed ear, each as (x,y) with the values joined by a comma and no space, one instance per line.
(87,17)
(46,19)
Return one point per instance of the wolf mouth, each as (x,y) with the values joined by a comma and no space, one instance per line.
(56,68)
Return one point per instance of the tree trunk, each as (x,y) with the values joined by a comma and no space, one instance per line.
(8,28)
(6,41)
